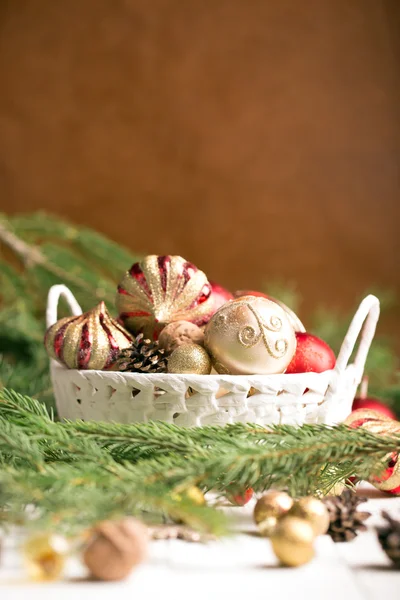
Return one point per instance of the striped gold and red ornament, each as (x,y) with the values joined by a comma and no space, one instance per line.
(162,289)
(91,341)
(378,423)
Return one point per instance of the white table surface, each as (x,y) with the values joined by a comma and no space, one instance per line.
(240,567)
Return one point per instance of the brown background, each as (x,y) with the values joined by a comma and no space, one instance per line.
(258,138)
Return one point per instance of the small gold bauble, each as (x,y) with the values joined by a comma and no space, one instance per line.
(195,495)
(250,335)
(267,526)
(189,358)
(44,556)
(272,504)
(313,511)
(292,541)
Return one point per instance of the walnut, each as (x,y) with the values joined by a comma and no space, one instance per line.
(178,333)
(116,548)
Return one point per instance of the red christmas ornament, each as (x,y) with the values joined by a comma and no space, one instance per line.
(241,499)
(379,424)
(363,401)
(312,354)
(162,289)
(219,295)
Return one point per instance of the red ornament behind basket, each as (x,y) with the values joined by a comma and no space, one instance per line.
(376,422)
(162,289)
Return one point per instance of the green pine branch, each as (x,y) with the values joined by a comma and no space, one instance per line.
(145,468)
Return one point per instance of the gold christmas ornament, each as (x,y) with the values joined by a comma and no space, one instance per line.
(193,493)
(116,548)
(293,318)
(272,504)
(313,511)
(189,358)
(91,341)
(180,333)
(161,289)
(250,335)
(292,541)
(44,556)
(267,526)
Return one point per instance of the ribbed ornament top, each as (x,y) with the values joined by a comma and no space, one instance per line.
(91,341)
(162,289)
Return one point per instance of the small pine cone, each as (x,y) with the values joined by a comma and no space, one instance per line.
(144,356)
(345,520)
(389,538)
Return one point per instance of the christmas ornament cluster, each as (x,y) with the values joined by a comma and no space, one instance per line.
(172,319)
(291,525)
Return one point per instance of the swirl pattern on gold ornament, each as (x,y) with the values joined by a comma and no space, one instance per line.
(249,337)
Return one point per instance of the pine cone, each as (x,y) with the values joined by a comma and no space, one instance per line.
(389,538)
(144,356)
(346,520)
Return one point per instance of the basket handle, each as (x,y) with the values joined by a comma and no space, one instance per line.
(364,321)
(52,303)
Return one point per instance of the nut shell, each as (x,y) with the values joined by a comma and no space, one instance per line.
(179,333)
(116,548)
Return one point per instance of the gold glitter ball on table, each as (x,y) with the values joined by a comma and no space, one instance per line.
(116,548)
(292,541)
(91,341)
(314,512)
(272,504)
(189,358)
(44,556)
(250,335)
(267,526)
(161,289)
(179,333)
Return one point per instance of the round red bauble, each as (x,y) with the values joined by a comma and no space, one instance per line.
(312,354)
(219,295)
(363,401)
(241,499)
(373,404)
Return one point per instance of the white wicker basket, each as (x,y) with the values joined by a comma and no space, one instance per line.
(217,399)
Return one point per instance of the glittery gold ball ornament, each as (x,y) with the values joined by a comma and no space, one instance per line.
(162,289)
(189,358)
(91,341)
(314,512)
(292,541)
(272,504)
(44,556)
(250,335)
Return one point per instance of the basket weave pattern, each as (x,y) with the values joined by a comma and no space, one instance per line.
(195,400)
